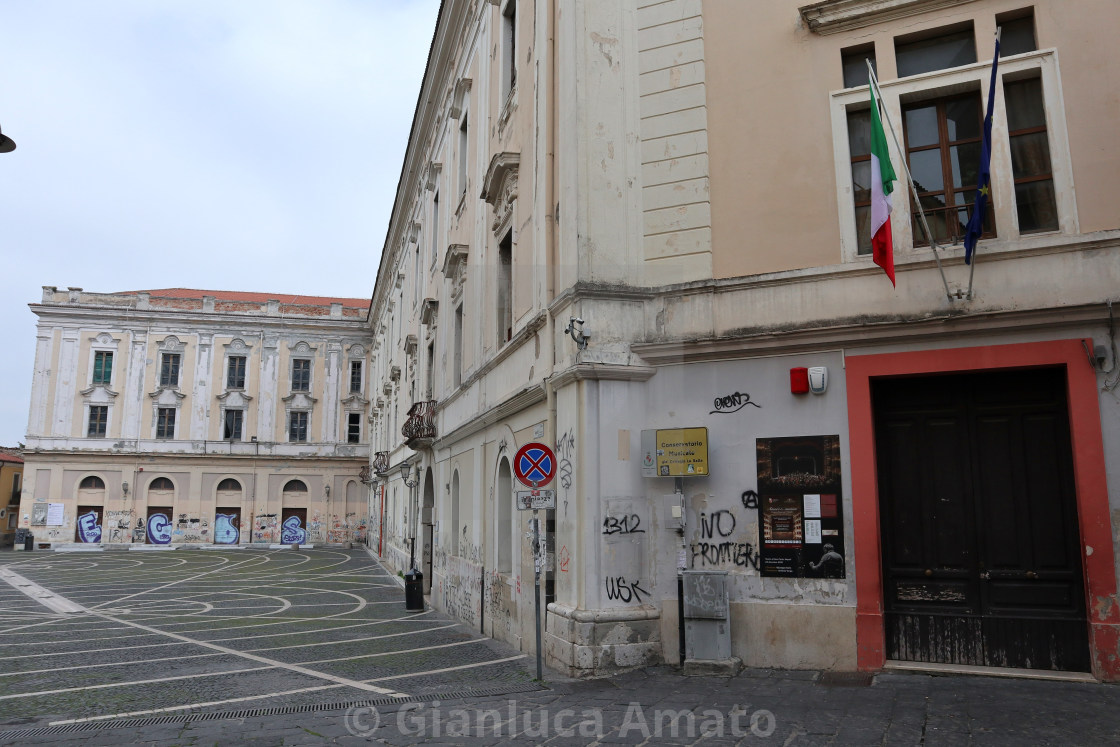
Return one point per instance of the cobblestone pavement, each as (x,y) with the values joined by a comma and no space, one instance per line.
(272,648)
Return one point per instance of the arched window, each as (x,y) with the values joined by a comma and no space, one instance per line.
(161,483)
(229,484)
(295,486)
(505,517)
(455,529)
(93,482)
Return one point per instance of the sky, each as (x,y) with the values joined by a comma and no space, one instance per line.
(247,145)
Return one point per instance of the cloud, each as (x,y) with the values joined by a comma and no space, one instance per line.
(251,145)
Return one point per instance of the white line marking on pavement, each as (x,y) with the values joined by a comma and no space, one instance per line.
(449,669)
(354,640)
(190,706)
(131,683)
(44,597)
(391,653)
(110,664)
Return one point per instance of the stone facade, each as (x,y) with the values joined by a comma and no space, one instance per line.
(671,183)
(197,405)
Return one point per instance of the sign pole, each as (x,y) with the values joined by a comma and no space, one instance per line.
(537,584)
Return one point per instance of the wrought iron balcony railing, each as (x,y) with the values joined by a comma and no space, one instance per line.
(420,427)
(381,462)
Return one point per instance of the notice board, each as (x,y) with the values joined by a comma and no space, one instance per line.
(800,507)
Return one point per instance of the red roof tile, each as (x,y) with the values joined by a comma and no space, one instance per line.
(9,458)
(359,303)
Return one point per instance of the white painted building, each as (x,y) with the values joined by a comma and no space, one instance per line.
(690,179)
(180,416)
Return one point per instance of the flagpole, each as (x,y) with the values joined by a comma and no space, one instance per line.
(991,95)
(905,167)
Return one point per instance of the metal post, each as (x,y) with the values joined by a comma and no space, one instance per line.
(537,583)
(679,490)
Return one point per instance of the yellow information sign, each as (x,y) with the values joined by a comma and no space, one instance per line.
(682,452)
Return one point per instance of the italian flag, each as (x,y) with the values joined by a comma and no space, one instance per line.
(882,184)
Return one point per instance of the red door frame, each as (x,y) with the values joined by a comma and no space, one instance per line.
(1089,476)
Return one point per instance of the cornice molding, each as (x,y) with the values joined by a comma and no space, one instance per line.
(601,372)
(527,397)
(500,165)
(956,326)
(834,16)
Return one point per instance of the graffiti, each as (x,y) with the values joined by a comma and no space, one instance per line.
(741,554)
(291,531)
(749,498)
(618,588)
(265,527)
(458,593)
(565,557)
(718,522)
(138,531)
(88,528)
(565,450)
(225,529)
(159,529)
(628,524)
(732,403)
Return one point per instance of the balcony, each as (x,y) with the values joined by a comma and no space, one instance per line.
(381,462)
(419,429)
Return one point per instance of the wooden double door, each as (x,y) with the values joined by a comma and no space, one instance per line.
(978,518)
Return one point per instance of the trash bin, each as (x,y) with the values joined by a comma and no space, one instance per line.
(29,542)
(414,591)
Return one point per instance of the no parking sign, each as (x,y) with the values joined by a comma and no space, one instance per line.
(534,465)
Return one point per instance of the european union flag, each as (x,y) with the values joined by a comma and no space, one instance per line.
(984,184)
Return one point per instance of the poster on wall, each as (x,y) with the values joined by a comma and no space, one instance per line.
(801,522)
(55,514)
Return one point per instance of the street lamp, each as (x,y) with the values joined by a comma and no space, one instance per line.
(7,145)
(406,468)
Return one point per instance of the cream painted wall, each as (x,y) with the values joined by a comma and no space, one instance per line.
(773,177)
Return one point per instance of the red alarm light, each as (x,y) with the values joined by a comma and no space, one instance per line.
(799,380)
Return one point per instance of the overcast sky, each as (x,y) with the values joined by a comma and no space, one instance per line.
(219,144)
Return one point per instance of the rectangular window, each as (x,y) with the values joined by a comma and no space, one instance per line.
(435,228)
(1017,35)
(505,289)
(165,422)
(297,426)
(948,49)
(463,144)
(457,369)
(430,373)
(301,375)
(231,425)
(353,427)
(98,420)
(859,145)
(102,367)
(509,47)
(355,377)
(235,375)
(942,141)
(1030,156)
(169,370)
(854,63)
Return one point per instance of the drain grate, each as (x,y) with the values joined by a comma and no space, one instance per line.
(845,679)
(186,718)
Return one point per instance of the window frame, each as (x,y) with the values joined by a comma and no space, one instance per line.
(243,372)
(166,418)
(102,421)
(353,419)
(240,418)
(1042,63)
(305,381)
(102,374)
(357,366)
(170,362)
(303,428)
